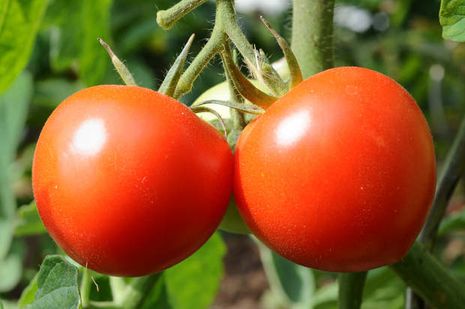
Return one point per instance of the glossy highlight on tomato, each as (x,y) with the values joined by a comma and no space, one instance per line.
(340,173)
(129,181)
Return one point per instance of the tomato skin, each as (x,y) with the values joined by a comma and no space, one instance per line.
(340,173)
(129,181)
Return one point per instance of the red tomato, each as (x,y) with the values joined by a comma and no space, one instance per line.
(340,173)
(129,181)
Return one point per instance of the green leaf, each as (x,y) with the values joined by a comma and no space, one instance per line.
(1,304)
(65,33)
(51,92)
(93,59)
(10,272)
(157,297)
(19,23)
(74,29)
(452,19)
(28,221)
(451,223)
(295,284)
(6,236)
(194,282)
(14,105)
(28,294)
(57,283)
(13,112)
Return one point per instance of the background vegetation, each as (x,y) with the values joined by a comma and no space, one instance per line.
(48,50)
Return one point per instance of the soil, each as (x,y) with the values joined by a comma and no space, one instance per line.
(244,281)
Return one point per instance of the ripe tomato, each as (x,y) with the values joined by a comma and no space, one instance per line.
(339,174)
(129,181)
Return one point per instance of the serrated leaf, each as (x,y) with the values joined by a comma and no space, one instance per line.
(452,19)
(57,283)
(194,282)
(19,23)
(93,59)
(10,272)
(28,294)
(28,221)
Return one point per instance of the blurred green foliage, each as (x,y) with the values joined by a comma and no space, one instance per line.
(401,39)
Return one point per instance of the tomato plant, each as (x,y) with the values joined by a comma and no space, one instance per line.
(129,181)
(339,174)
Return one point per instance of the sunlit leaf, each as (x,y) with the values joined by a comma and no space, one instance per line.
(452,19)
(19,23)
(28,294)
(194,282)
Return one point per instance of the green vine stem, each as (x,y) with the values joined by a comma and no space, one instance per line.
(351,290)
(138,289)
(225,26)
(429,279)
(312,34)
(210,50)
(454,168)
(167,18)
(86,281)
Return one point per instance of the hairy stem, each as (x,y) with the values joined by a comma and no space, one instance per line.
(312,34)
(167,18)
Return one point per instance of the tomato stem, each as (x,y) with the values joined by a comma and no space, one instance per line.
(427,277)
(454,168)
(226,26)
(138,289)
(312,34)
(167,18)
(213,46)
(85,287)
(351,290)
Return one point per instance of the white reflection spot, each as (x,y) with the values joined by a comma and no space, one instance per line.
(292,128)
(89,137)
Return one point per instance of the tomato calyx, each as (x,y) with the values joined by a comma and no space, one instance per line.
(122,70)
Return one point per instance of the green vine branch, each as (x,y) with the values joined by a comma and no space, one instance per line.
(351,290)
(226,26)
(167,18)
(428,278)
(454,168)
(312,34)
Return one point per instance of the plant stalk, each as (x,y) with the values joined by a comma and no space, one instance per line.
(312,34)
(454,168)
(429,279)
(351,290)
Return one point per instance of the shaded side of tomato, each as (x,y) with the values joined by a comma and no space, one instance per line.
(129,181)
(340,173)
